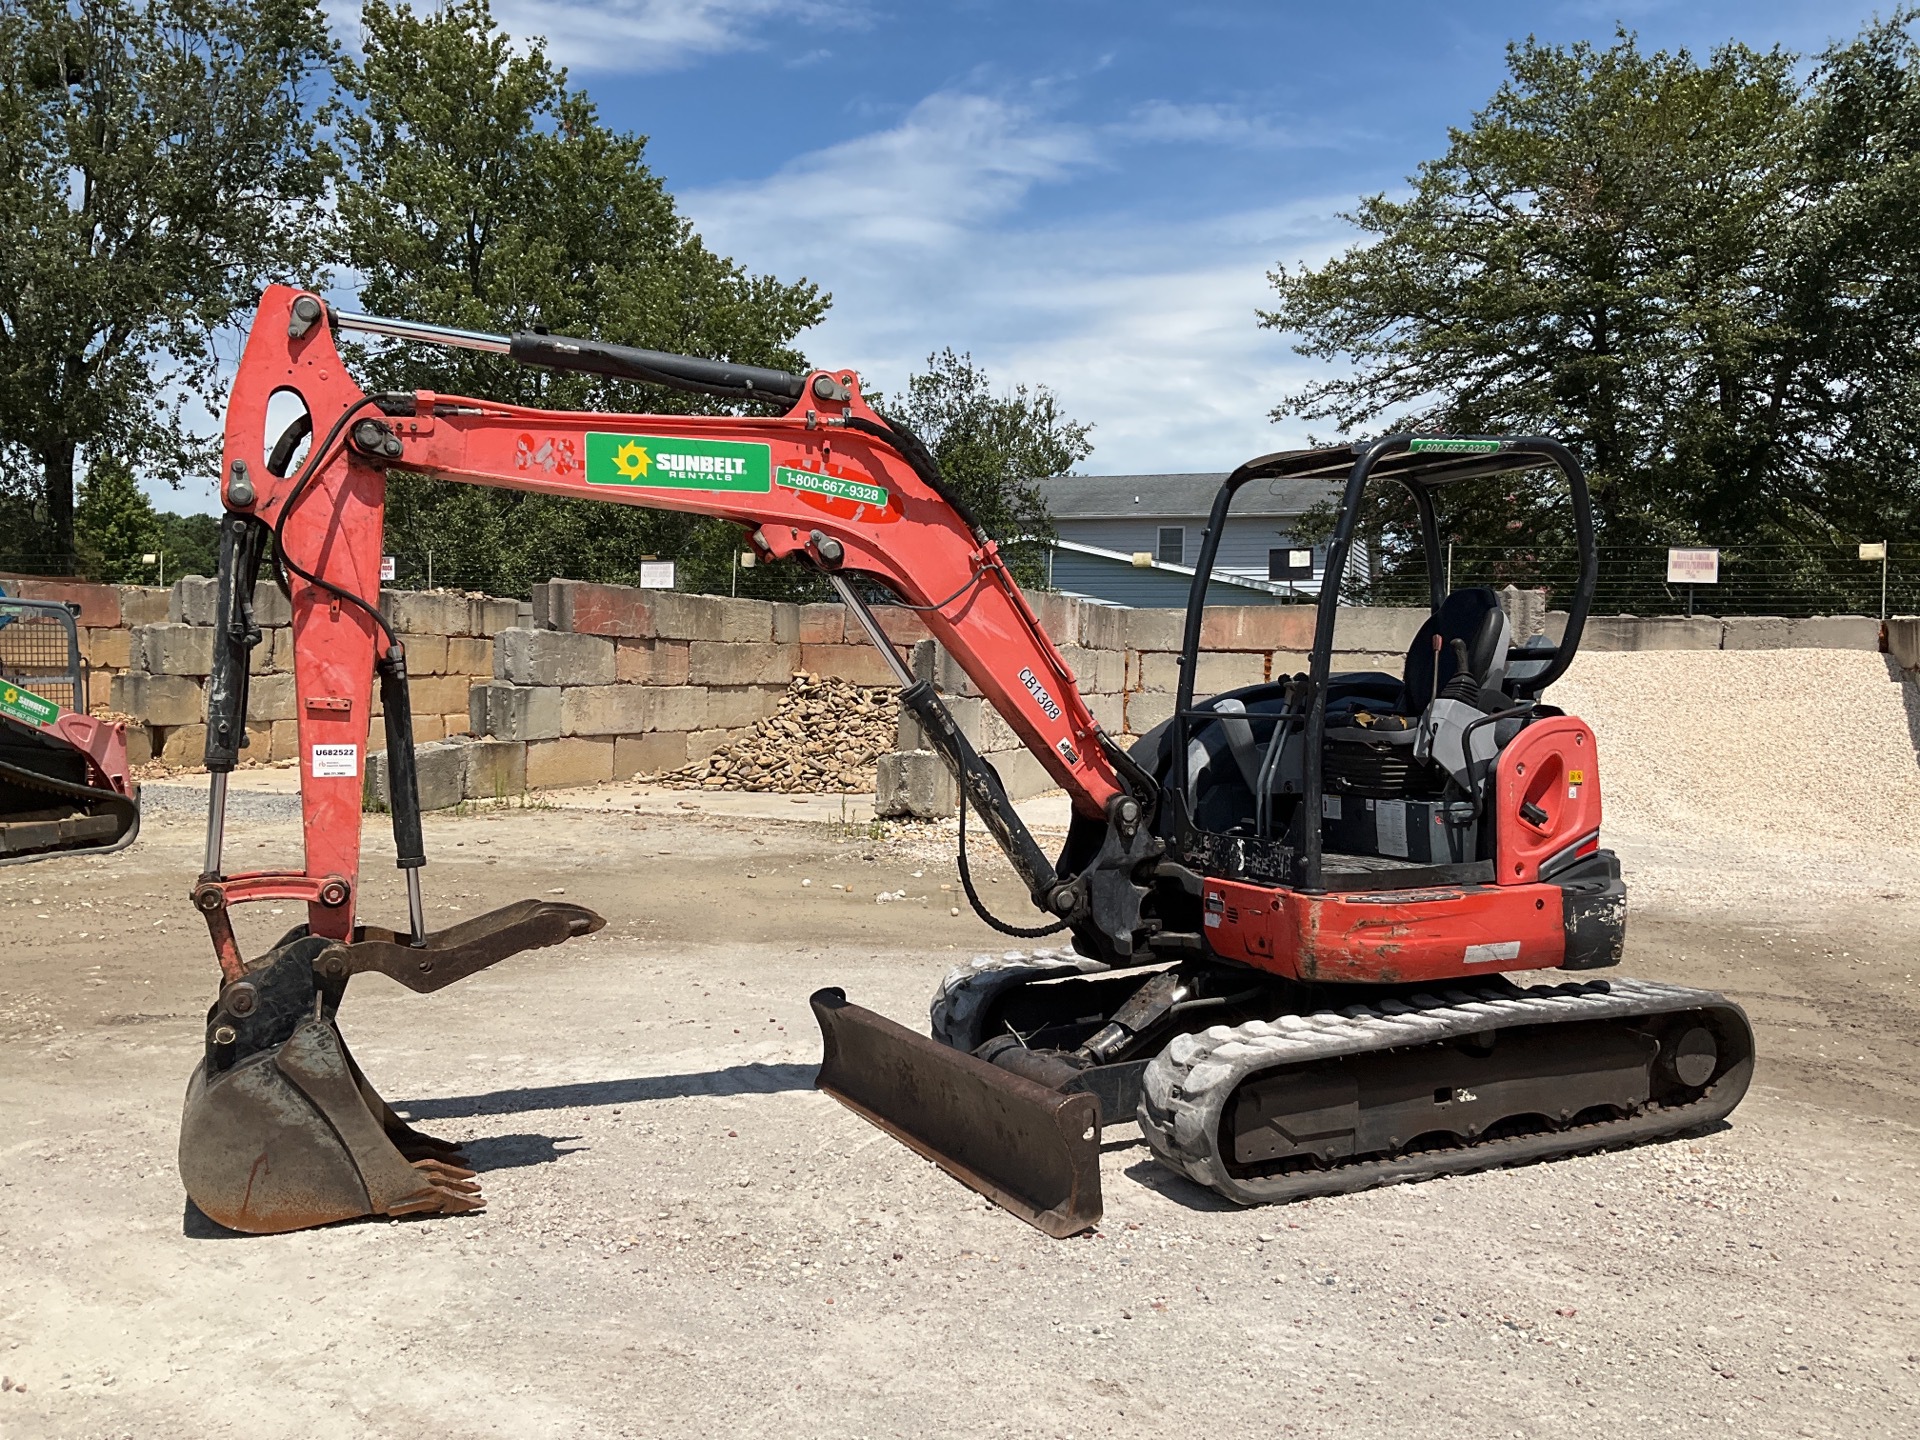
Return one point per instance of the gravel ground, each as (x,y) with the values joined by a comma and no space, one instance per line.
(685,1239)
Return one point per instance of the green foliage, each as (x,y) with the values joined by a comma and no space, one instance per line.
(1701,274)
(114,525)
(191,543)
(485,193)
(151,152)
(993,450)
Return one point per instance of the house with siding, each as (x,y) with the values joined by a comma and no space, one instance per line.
(1164,517)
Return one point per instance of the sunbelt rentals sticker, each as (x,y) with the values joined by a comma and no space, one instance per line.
(661,462)
(22,704)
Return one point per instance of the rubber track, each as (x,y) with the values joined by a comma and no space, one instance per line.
(960,1004)
(1188,1084)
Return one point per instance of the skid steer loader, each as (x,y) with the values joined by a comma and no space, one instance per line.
(64,782)
(1290,907)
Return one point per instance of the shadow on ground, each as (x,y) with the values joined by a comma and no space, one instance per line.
(734,1080)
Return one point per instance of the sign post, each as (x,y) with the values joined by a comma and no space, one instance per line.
(1877,550)
(1691,568)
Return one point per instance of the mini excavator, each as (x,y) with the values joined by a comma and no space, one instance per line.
(1292,909)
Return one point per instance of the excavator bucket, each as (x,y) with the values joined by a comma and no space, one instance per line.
(1032,1150)
(281,1130)
(64,787)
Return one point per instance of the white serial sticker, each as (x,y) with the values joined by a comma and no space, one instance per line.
(1488,954)
(336,762)
(1330,806)
(1390,827)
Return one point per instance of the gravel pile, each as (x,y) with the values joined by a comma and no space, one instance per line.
(826,737)
(1765,747)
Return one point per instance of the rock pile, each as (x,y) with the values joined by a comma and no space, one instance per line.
(825,737)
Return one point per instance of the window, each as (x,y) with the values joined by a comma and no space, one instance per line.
(1173,544)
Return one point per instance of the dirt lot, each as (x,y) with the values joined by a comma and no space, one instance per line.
(686,1240)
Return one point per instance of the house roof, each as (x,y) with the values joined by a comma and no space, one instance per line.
(1175,497)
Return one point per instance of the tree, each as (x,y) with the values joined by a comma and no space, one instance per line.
(151,153)
(1649,257)
(485,193)
(994,449)
(114,525)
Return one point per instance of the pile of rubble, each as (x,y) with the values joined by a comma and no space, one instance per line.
(825,737)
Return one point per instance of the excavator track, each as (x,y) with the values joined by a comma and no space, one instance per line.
(959,1007)
(1286,1109)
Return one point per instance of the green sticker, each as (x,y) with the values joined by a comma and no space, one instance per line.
(1455,447)
(671,464)
(856,490)
(24,705)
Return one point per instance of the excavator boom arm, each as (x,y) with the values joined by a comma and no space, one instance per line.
(830,484)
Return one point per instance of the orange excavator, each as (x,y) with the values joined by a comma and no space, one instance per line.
(1292,909)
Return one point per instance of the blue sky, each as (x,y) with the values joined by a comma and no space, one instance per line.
(1085,193)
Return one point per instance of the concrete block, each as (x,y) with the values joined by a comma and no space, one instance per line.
(1382,628)
(635,755)
(286,739)
(176,649)
(469,655)
(1104,627)
(1110,711)
(1750,632)
(456,725)
(650,662)
(687,707)
(861,663)
(902,626)
(270,607)
(194,600)
(96,606)
(426,612)
(1059,616)
(428,727)
(604,709)
(161,700)
(1155,629)
(1146,709)
(741,663)
(551,657)
(1216,673)
(786,623)
(514,712)
(1097,672)
(439,694)
(914,784)
(1903,641)
(1526,612)
(426,655)
(969,714)
(487,617)
(582,608)
(1257,627)
(573,760)
(139,744)
(107,649)
(260,660)
(441,770)
(142,604)
(744,620)
(1835,632)
(258,749)
(1662,632)
(496,769)
(689,617)
(822,624)
(996,736)
(731,707)
(702,743)
(184,747)
(1023,774)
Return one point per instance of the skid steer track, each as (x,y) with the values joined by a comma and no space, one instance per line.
(1277,1110)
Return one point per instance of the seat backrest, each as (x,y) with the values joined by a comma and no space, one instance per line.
(1472,616)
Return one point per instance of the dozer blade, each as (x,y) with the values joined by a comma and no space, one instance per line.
(1032,1150)
(282,1131)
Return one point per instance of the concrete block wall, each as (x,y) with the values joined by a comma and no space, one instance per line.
(162,687)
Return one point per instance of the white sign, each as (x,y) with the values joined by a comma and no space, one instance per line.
(656,574)
(336,762)
(1693,567)
(1873,551)
(386,567)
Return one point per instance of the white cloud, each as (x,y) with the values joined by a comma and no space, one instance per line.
(1143,322)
